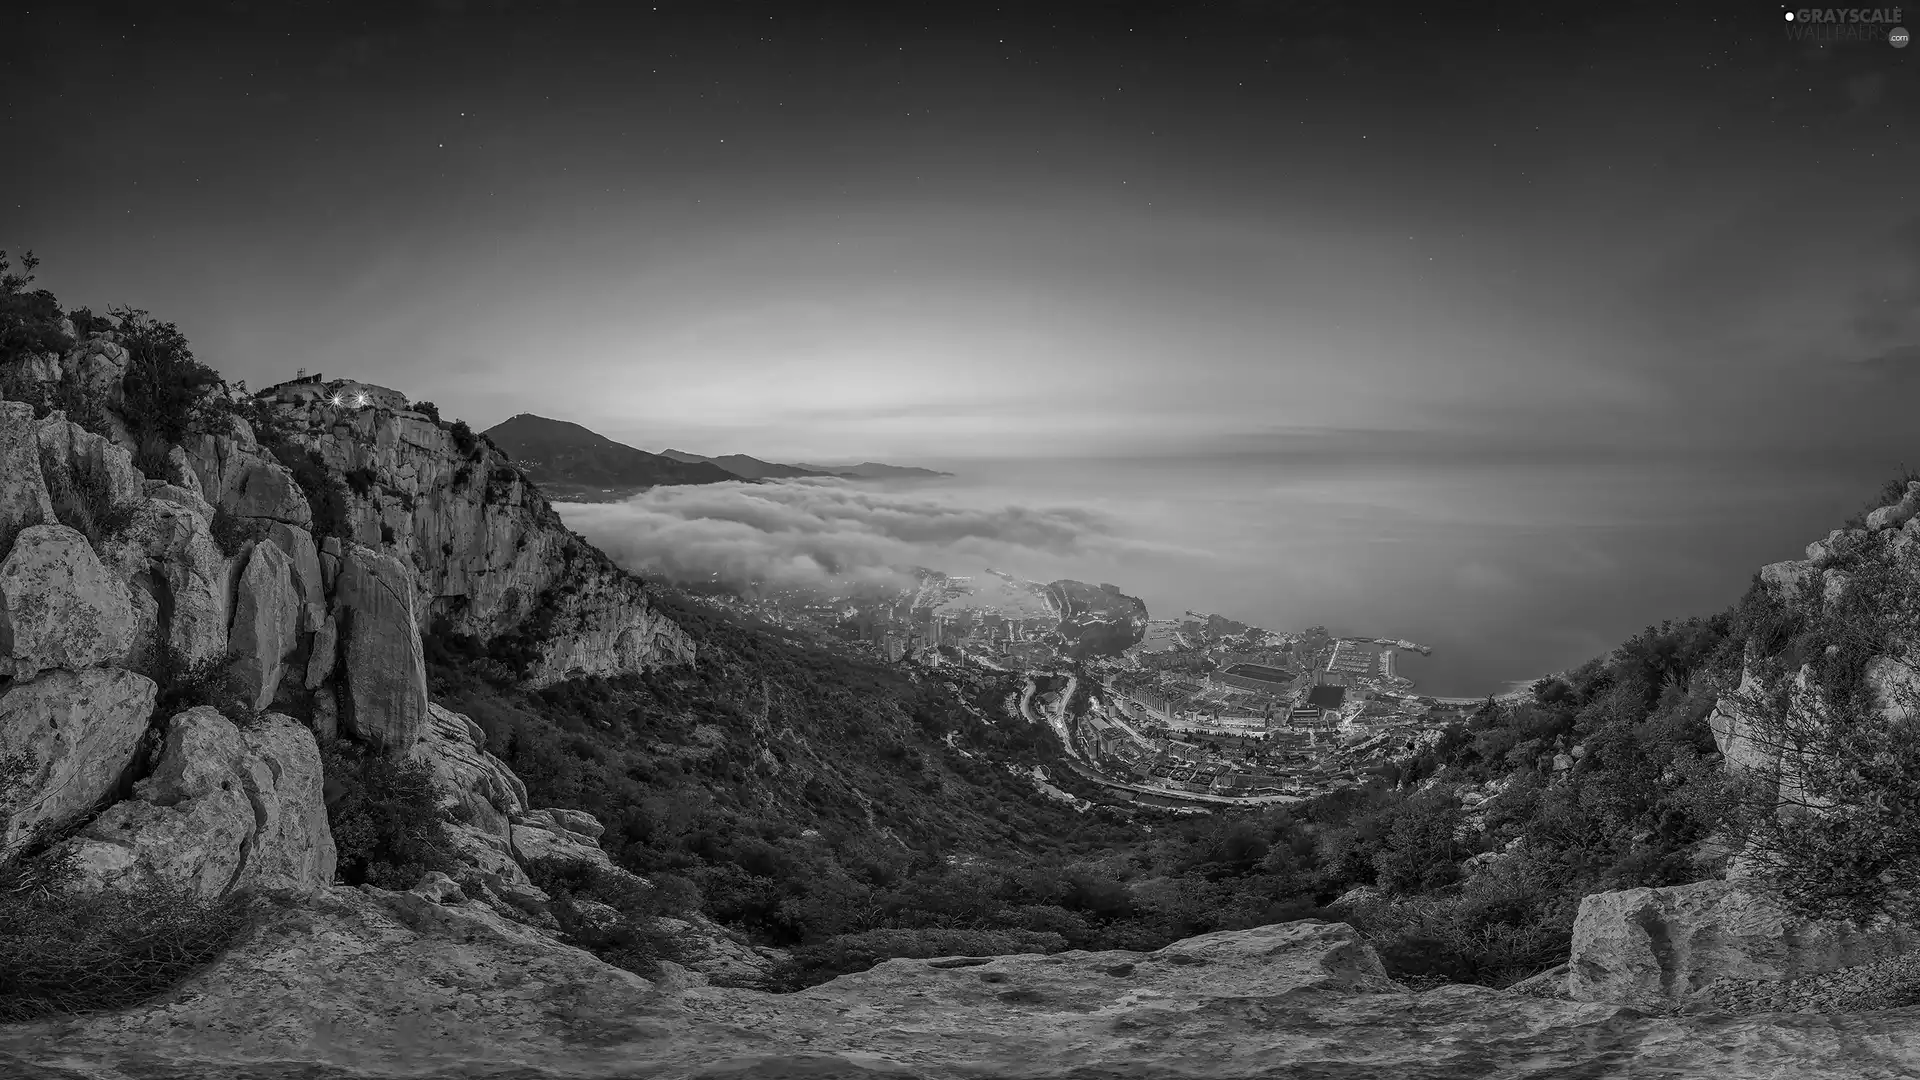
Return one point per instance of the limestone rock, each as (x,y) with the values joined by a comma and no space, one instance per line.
(385,704)
(80,732)
(187,498)
(1892,517)
(59,607)
(439,888)
(69,452)
(239,477)
(225,809)
(1663,946)
(466,775)
(566,835)
(23,491)
(99,370)
(180,473)
(298,545)
(323,654)
(1785,579)
(716,953)
(168,554)
(265,623)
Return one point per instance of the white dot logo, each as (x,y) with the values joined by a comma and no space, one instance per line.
(1899,37)
(1789,16)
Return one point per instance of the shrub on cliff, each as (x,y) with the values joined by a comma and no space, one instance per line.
(167,393)
(326,494)
(634,940)
(1829,825)
(385,817)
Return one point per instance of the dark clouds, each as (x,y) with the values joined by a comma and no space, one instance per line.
(827,534)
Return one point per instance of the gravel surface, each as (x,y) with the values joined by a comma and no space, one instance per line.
(1881,984)
(1891,983)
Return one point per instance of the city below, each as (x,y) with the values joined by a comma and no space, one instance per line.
(1191,713)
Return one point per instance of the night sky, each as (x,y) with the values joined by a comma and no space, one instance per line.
(933,232)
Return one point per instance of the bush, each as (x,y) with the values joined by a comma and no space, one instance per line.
(184,685)
(463,438)
(66,950)
(326,495)
(1830,824)
(232,533)
(361,480)
(166,393)
(385,816)
(426,407)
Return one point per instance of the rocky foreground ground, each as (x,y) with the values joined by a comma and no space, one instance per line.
(363,983)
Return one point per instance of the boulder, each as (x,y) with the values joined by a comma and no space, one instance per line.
(559,834)
(704,946)
(99,371)
(23,491)
(59,607)
(298,545)
(1658,947)
(168,556)
(266,623)
(265,489)
(466,776)
(80,732)
(225,809)
(1893,517)
(1785,579)
(69,452)
(187,498)
(385,704)
(239,477)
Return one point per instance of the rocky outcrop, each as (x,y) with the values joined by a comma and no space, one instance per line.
(266,623)
(175,578)
(225,809)
(79,733)
(493,559)
(23,492)
(477,784)
(241,477)
(562,835)
(59,607)
(359,983)
(1664,946)
(385,699)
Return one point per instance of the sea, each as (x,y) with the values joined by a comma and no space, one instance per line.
(1507,569)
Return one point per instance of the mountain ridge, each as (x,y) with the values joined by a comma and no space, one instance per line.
(574,460)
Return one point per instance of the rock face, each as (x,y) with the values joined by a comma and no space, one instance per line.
(385,705)
(23,493)
(225,809)
(266,623)
(453,747)
(239,476)
(493,558)
(360,983)
(59,607)
(1663,946)
(79,732)
(565,835)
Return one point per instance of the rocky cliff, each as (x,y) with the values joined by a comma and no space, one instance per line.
(487,553)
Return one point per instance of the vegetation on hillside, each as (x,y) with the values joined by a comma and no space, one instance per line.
(66,949)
